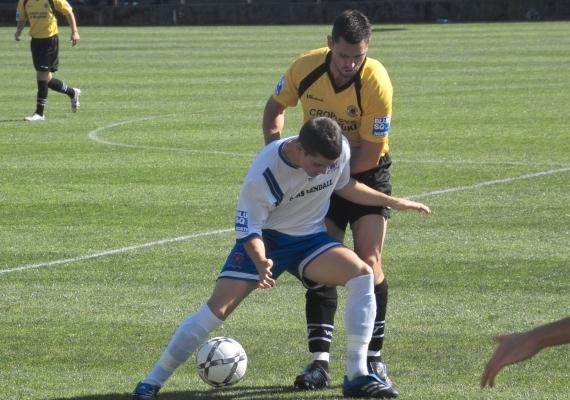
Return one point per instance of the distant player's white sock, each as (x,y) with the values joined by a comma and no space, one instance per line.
(190,334)
(359,320)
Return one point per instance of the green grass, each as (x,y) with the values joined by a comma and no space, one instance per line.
(480,133)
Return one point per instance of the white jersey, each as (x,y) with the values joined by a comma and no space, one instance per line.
(276,195)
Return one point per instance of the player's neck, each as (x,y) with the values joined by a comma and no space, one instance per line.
(291,152)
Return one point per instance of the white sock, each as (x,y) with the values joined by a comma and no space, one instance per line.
(359,320)
(321,356)
(188,337)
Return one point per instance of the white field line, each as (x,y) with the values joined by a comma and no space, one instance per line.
(219,231)
(115,251)
(489,183)
(93,135)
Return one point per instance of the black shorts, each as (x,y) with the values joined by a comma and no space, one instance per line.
(342,212)
(45,54)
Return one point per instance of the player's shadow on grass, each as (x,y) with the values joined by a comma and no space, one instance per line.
(238,392)
(4,120)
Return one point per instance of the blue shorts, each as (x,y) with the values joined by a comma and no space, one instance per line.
(289,253)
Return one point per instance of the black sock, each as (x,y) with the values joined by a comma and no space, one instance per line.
(381,293)
(41,99)
(61,87)
(320,309)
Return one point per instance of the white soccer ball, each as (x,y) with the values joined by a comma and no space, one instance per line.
(221,361)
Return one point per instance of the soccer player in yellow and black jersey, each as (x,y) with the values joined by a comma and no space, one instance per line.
(45,47)
(341,82)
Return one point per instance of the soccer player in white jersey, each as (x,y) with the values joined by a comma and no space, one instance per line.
(280,227)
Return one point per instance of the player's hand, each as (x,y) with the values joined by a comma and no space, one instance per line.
(414,205)
(75,38)
(266,280)
(511,349)
(17,36)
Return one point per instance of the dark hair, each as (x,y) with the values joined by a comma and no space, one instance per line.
(321,136)
(352,26)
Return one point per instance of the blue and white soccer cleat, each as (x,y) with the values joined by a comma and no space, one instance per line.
(145,391)
(314,377)
(369,387)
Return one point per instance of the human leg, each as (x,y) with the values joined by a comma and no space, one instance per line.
(61,87)
(335,266)
(45,60)
(226,296)
(341,266)
(369,233)
(42,78)
(320,308)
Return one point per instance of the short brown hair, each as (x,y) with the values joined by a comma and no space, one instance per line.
(321,136)
(352,26)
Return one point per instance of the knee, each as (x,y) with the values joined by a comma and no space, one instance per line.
(220,311)
(374,260)
(364,269)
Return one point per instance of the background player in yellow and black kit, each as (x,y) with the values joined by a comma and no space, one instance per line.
(45,47)
(340,82)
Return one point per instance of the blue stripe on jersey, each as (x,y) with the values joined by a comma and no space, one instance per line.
(273,186)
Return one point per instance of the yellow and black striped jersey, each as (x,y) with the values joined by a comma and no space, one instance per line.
(362,107)
(41,16)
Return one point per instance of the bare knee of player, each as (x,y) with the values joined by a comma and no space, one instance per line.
(227,296)
(374,260)
(43,76)
(359,268)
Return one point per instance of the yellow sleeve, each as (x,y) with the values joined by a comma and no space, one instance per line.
(287,88)
(63,6)
(377,105)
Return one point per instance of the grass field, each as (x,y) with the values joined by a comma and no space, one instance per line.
(115,220)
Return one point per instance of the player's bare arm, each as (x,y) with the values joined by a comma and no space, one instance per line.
(365,157)
(73,26)
(255,249)
(517,347)
(273,120)
(19,28)
(359,193)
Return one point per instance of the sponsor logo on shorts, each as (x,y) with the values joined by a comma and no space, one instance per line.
(241,221)
(280,85)
(381,126)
